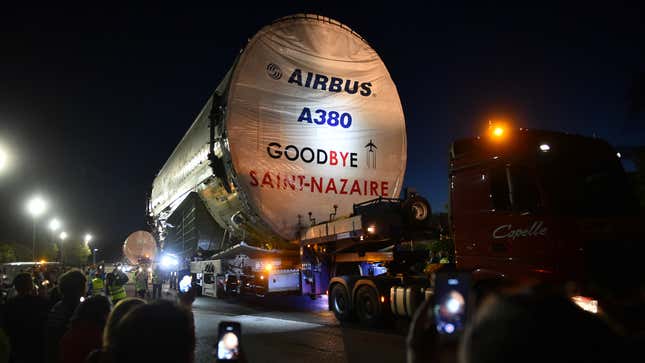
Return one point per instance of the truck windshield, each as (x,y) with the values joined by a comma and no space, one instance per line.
(585,179)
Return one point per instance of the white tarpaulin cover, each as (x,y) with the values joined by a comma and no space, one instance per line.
(140,245)
(314,120)
(310,119)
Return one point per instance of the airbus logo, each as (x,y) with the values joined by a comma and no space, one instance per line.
(274,71)
(321,81)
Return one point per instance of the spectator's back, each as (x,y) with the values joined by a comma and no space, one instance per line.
(24,319)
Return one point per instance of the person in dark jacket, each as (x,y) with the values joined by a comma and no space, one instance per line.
(72,286)
(161,332)
(86,331)
(25,316)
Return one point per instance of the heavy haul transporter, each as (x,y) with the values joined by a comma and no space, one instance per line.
(303,147)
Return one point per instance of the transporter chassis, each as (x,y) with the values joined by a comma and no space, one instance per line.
(366,264)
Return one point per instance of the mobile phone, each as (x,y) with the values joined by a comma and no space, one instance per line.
(185,283)
(228,341)
(451,302)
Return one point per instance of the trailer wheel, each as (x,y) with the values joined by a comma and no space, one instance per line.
(417,211)
(340,303)
(368,307)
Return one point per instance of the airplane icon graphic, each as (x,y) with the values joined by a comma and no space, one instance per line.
(371,154)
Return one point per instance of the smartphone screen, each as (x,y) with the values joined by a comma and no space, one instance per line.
(451,302)
(185,283)
(228,341)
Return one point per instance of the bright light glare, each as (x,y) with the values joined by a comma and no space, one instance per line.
(371,229)
(498,131)
(449,328)
(62,235)
(545,147)
(88,238)
(617,154)
(268,267)
(184,283)
(586,303)
(168,261)
(54,224)
(453,306)
(149,269)
(4,158)
(36,206)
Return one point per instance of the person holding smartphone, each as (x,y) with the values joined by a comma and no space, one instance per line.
(228,342)
(534,324)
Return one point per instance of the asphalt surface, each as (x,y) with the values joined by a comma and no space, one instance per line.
(290,329)
(293,329)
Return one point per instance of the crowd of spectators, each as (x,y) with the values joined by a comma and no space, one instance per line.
(69,326)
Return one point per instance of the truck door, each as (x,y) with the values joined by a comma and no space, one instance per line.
(516,229)
(509,234)
(209,286)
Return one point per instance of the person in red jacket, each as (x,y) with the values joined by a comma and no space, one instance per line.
(86,331)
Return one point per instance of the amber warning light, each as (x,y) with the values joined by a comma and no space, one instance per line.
(497,130)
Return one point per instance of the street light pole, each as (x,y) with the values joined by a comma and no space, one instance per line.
(35,206)
(54,225)
(33,240)
(62,237)
(94,256)
(88,238)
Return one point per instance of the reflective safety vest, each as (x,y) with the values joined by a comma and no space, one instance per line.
(117,292)
(140,284)
(97,286)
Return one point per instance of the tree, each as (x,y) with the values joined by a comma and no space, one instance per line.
(7,253)
(75,252)
(48,252)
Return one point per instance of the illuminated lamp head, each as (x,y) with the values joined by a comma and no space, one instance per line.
(268,267)
(497,131)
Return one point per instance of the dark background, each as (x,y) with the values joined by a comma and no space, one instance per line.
(93,100)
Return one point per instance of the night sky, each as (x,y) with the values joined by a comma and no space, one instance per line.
(93,100)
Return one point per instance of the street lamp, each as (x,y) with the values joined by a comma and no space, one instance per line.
(62,236)
(4,158)
(88,238)
(54,224)
(36,206)
(94,250)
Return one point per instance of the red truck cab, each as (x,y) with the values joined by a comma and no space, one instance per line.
(538,205)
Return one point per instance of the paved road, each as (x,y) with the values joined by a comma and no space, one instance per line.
(293,329)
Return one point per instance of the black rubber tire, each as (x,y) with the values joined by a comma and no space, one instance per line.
(417,211)
(367,306)
(340,303)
